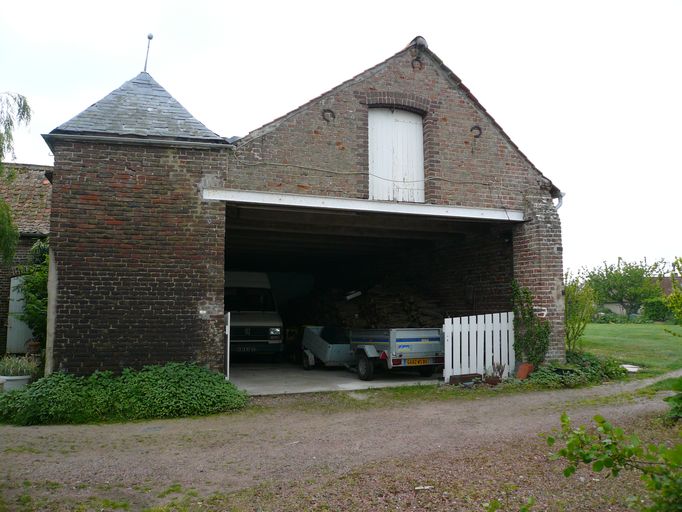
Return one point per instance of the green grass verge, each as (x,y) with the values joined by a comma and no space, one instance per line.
(644,345)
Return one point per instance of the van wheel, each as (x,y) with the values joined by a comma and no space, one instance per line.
(365,367)
(426,371)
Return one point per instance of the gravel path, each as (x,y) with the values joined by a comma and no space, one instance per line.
(278,442)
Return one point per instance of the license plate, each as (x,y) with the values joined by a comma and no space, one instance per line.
(417,362)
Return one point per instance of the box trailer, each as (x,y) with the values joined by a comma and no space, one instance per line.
(421,350)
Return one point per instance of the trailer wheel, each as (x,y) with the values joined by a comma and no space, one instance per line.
(426,371)
(306,362)
(365,367)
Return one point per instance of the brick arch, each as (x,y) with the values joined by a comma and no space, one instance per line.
(404,101)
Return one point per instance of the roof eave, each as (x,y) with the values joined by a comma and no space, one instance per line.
(54,136)
(555,192)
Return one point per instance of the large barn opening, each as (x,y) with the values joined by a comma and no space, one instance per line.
(353,269)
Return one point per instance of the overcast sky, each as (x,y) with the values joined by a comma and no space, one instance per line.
(591,91)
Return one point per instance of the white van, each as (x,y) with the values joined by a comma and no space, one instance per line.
(255,324)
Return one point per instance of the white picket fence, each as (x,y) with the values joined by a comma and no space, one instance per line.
(474,343)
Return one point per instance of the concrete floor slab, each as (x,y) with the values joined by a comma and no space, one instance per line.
(286,378)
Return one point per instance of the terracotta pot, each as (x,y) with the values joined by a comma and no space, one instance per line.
(525,369)
(492,381)
(33,347)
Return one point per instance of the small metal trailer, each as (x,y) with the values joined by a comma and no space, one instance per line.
(421,350)
(328,345)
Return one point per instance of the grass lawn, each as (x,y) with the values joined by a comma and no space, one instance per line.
(645,345)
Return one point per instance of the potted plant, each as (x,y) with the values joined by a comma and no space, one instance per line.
(495,377)
(531,333)
(16,371)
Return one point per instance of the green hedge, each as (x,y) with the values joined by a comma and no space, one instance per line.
(169,391)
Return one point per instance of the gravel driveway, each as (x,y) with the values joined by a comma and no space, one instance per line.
(288,443)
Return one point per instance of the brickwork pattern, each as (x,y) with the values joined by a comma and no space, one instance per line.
(538,265)
(139,256)
(322,149)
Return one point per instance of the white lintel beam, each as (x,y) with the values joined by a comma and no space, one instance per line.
(361,205)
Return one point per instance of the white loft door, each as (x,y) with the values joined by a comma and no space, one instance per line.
(396,155)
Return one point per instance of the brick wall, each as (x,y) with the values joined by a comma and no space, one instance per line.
(538,253)
(466,276)
(139,256)
(21,257)
(322,149)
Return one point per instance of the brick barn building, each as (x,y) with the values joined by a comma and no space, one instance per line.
(397,176)
(28,194)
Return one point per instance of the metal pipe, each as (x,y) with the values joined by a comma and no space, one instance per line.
(560,200)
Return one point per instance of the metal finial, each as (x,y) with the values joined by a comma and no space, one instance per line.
(150,36)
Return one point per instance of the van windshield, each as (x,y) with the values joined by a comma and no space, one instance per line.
(249,299)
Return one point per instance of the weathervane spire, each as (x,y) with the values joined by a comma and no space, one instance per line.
(150,36)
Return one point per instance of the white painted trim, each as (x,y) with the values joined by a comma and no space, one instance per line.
(361,205)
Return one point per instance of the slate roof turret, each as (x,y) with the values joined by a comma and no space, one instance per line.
(139,109)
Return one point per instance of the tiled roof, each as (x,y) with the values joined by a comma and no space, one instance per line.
(28,194)
(139,108)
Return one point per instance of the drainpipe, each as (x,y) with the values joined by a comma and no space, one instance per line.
(51,310)
(560,200)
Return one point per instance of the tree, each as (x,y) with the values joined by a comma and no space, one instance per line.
(674,300)
(627,284)
(14,110)
(580,306)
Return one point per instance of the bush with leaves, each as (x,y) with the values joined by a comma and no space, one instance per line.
(611,450)
(531,333)
(674,300)
(626,283)
(580,369)
(675,401)
(172,390)
(580,304)
(34,289)
(656,309)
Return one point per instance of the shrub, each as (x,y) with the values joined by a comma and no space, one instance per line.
(674,300)
(556,376)
(675,401)
(581,368)
(611,450)
(172,390)
(656,309)
(600,368)
(605,316)
(580,307)
(531,333)
(13,366)
(34,289)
